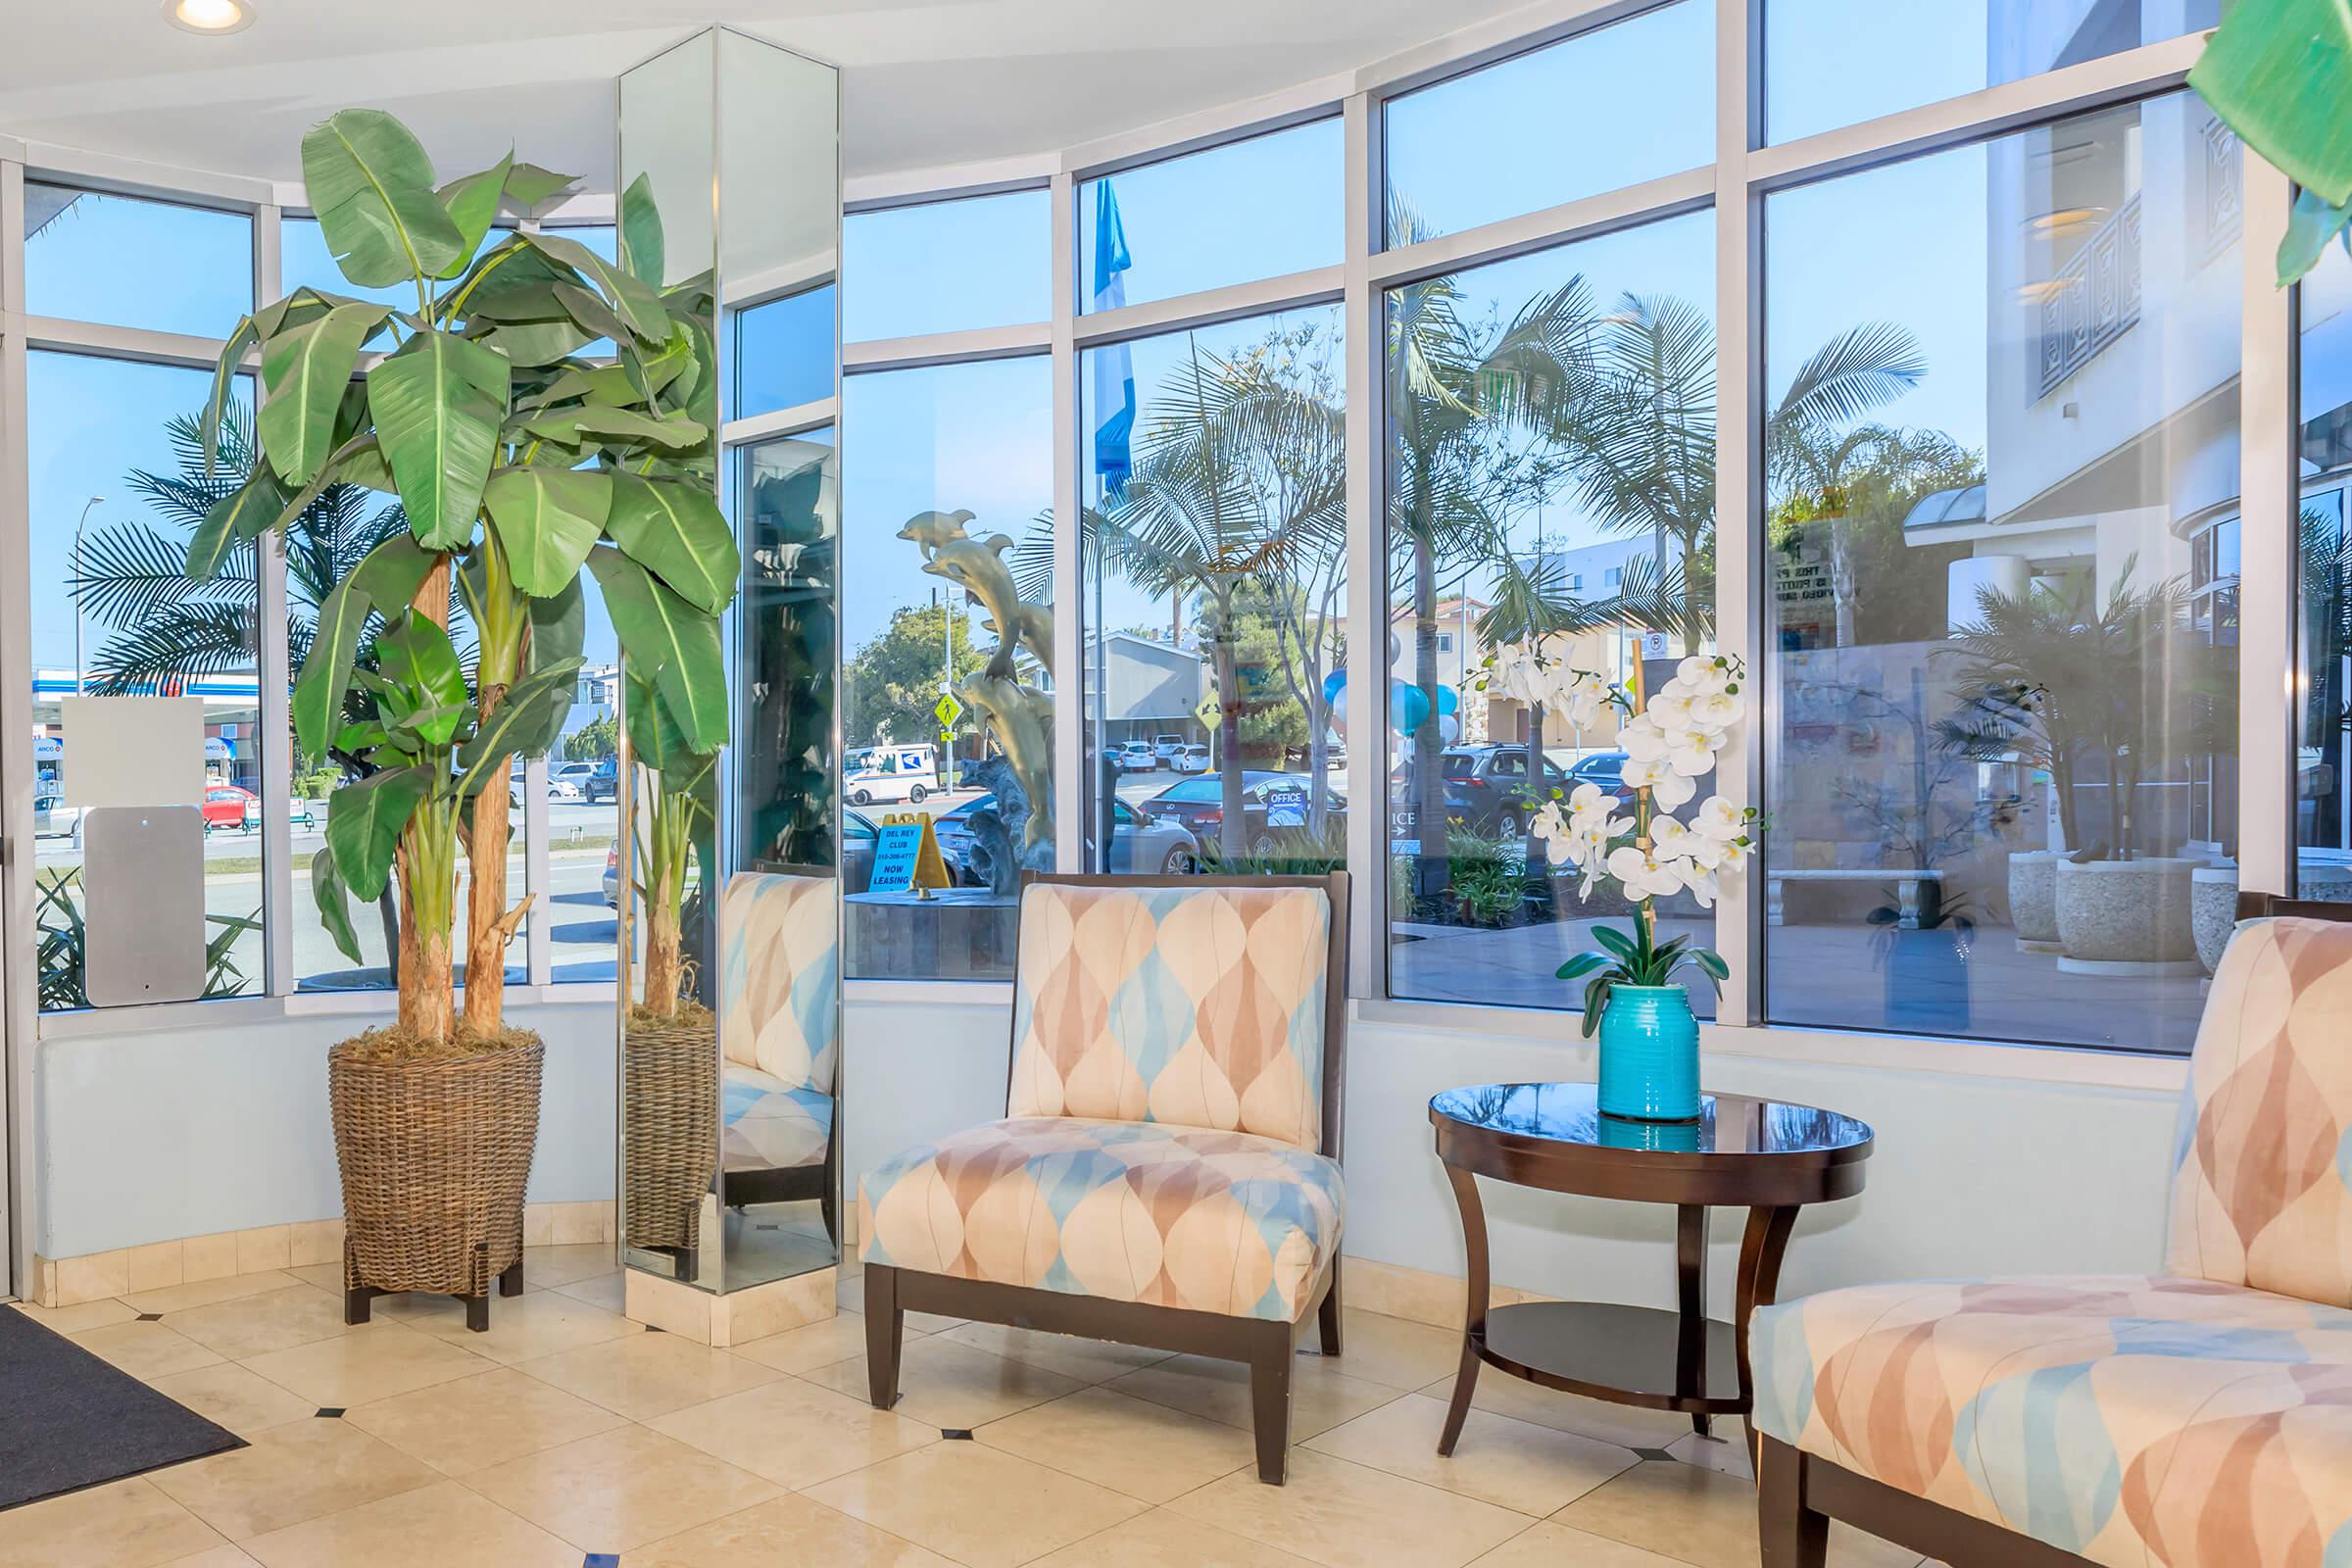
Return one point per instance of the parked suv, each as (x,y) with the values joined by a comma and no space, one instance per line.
(1271,802)
(603,782)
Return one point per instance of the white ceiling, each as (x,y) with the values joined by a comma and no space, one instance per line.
(926,83)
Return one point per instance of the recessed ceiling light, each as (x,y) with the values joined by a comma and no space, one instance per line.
(208,16)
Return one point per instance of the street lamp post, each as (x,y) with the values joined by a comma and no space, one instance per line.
(79,680)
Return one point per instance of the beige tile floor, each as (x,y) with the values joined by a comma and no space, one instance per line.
(567,1431)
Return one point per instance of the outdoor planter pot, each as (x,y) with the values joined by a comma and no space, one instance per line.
(2126,917)
(2033,899)
(2213,911)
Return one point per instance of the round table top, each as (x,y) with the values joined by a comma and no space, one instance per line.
(1741,1149)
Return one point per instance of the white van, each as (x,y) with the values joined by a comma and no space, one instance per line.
(894,774)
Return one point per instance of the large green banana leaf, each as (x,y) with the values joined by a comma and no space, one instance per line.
(371,186)
(438,402)
(677,532)
(671,638)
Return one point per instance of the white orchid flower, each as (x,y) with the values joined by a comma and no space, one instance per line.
(1672,710)
(1667,788)
(1693,752)
(1700,885)
(1642,741)
(1587,797)
(1703,676)
(1717,711)
(1719,820)
(1669,838)
(1644,875)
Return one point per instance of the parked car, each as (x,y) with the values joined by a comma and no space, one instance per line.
(1604,768)
(224,806)
(1166,747)
(858,837)
(1269,801)
(603,783)
(52,818)
(1136,757)
(1192,758)
(577,773)
(1137,843)
(559,790)
(1497,795)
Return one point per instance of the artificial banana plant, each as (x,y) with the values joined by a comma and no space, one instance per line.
(519,460)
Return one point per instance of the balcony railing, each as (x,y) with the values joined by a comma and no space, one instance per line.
(2093,300)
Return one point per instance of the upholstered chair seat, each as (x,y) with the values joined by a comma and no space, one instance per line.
(779,1037)
(1167,1170)
(2201,1418)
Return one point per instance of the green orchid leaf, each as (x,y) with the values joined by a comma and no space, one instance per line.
(438,402)
(1584,963)
(1616,942)
(548,518)
(670,637)
(1712,964)
(2311,227)
(363,823)
(515,719)
(641,244)
(370,185)
(1596,1003)
(232,520)
(677,532)
(634,300)
(334,904)
(528,185)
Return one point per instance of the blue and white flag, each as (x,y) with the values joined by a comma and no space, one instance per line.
(1114,367)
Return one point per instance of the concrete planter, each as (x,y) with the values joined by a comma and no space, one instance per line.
(2034,900)
(2213,911)
(2128,917)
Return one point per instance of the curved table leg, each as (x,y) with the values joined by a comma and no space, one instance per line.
(1474,1317)
(1762,1250)
(1691,1336)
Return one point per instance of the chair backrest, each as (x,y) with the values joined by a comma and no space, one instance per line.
(2262,1186)
(1199,1001)
(779,946)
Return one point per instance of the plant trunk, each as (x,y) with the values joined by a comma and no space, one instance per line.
(1232,834)
(427,1004)
(1428,771)
(487,928)
(663,971)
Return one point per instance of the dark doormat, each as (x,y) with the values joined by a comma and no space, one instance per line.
(68,1420)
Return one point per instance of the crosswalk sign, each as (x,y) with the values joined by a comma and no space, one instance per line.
(949,710)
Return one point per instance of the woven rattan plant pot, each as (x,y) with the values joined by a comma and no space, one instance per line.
(669,1094)
(435,1155)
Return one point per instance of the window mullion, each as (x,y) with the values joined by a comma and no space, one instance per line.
(1367,583)
(2268,527)
(272,716)
(1739,480)
(1069,644)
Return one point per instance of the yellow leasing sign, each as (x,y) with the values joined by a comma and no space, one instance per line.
(907,858)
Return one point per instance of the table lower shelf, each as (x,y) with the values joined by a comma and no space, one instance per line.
(1625,1354)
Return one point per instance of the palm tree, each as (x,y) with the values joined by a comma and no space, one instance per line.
(132,577)
(1205,514)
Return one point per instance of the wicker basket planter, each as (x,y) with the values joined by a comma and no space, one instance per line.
(670,1092)
(434,1156)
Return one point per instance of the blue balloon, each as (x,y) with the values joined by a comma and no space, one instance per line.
(1333,684)
(1408,706)
(1448,699)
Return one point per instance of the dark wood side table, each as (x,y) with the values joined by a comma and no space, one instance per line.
(1758,1154)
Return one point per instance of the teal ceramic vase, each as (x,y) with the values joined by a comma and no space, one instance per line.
(1648,1054)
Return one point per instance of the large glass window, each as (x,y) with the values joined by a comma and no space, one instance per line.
(1832,63)
(126,262)
(942,464)
(1215,560)
(2323,781)
(1634,101)
(1259,208)
(945,267)
(783,354)
(118,486)
(2001,434)
(1550,470)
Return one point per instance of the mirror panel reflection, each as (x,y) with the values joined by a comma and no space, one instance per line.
(730,1022)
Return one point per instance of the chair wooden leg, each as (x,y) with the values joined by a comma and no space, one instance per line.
(1270,1357)
(885,1329)
(510,1283)
(1794,1536)
(1326,1318)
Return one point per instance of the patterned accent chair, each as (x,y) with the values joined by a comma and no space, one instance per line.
(1168,1172)
(2200,1418)
(779,1039)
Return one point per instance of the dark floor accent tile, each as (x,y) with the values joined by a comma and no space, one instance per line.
(1654,1454)
(330,1412)
(151,1318)
(601,1559)
(957,1433)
